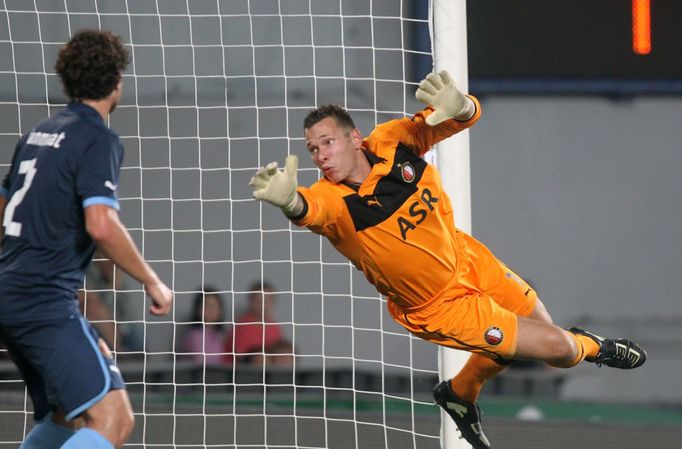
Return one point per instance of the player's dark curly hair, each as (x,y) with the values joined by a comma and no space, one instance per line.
(90,64)
(339,114)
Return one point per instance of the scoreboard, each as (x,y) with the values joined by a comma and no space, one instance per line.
(575,45)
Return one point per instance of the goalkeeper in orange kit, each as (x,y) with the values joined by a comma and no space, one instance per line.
(380,204)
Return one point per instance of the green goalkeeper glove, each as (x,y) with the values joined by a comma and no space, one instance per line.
(277,187)
(441,92)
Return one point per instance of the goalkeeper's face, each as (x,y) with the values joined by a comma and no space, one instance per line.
(337,151)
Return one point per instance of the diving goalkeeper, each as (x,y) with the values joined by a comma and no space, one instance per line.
(380,204)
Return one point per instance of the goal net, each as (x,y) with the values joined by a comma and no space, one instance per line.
(215,89)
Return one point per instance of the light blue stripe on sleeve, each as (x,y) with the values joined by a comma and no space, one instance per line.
(105,200)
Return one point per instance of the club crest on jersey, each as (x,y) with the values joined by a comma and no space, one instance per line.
(407,172)
(494,335)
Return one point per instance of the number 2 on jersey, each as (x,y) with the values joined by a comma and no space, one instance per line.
(29,169)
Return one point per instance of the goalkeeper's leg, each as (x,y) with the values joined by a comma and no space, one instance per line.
(478,369)
(458,396)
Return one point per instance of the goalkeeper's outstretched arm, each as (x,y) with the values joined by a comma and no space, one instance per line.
(448,101)
(278,187)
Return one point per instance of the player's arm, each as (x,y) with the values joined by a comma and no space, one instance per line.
(448,112)
(315,208)
(112,238)
(439,91)
(278,187)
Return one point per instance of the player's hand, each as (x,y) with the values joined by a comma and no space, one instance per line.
(277,187)
(441,92)
(161,296)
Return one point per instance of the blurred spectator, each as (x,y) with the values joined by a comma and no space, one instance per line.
(257,338)
(204,340)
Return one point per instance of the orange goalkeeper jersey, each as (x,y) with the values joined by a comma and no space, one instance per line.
(398,226)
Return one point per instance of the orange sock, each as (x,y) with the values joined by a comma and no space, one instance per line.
(590,347)
(468,382)
(586,348)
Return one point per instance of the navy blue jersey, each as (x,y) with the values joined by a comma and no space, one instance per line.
(66,163)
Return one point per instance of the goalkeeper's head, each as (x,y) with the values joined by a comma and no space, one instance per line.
(335,144)
(338,113)
(91,64)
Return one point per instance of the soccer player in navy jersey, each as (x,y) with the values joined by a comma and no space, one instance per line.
(57,203)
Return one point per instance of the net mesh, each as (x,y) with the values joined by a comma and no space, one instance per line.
(214,90)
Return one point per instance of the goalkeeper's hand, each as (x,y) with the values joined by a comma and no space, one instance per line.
(277,187)
(441,92)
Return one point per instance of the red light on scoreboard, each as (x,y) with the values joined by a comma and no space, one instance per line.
(641,26)
(555,41)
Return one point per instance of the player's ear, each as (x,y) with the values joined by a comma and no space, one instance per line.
(356,137)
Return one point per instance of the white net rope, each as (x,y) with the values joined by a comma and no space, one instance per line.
(214,90)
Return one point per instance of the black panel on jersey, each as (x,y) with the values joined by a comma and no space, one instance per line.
(390,193)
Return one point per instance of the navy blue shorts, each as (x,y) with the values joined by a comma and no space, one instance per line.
(62,364)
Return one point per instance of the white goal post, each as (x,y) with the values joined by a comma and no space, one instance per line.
(449,47)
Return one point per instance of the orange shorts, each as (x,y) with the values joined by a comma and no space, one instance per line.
(477,311)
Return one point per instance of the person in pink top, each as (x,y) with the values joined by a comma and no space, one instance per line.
(204,340)
(257,336)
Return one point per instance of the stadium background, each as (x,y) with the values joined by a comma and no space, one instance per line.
(580,194)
